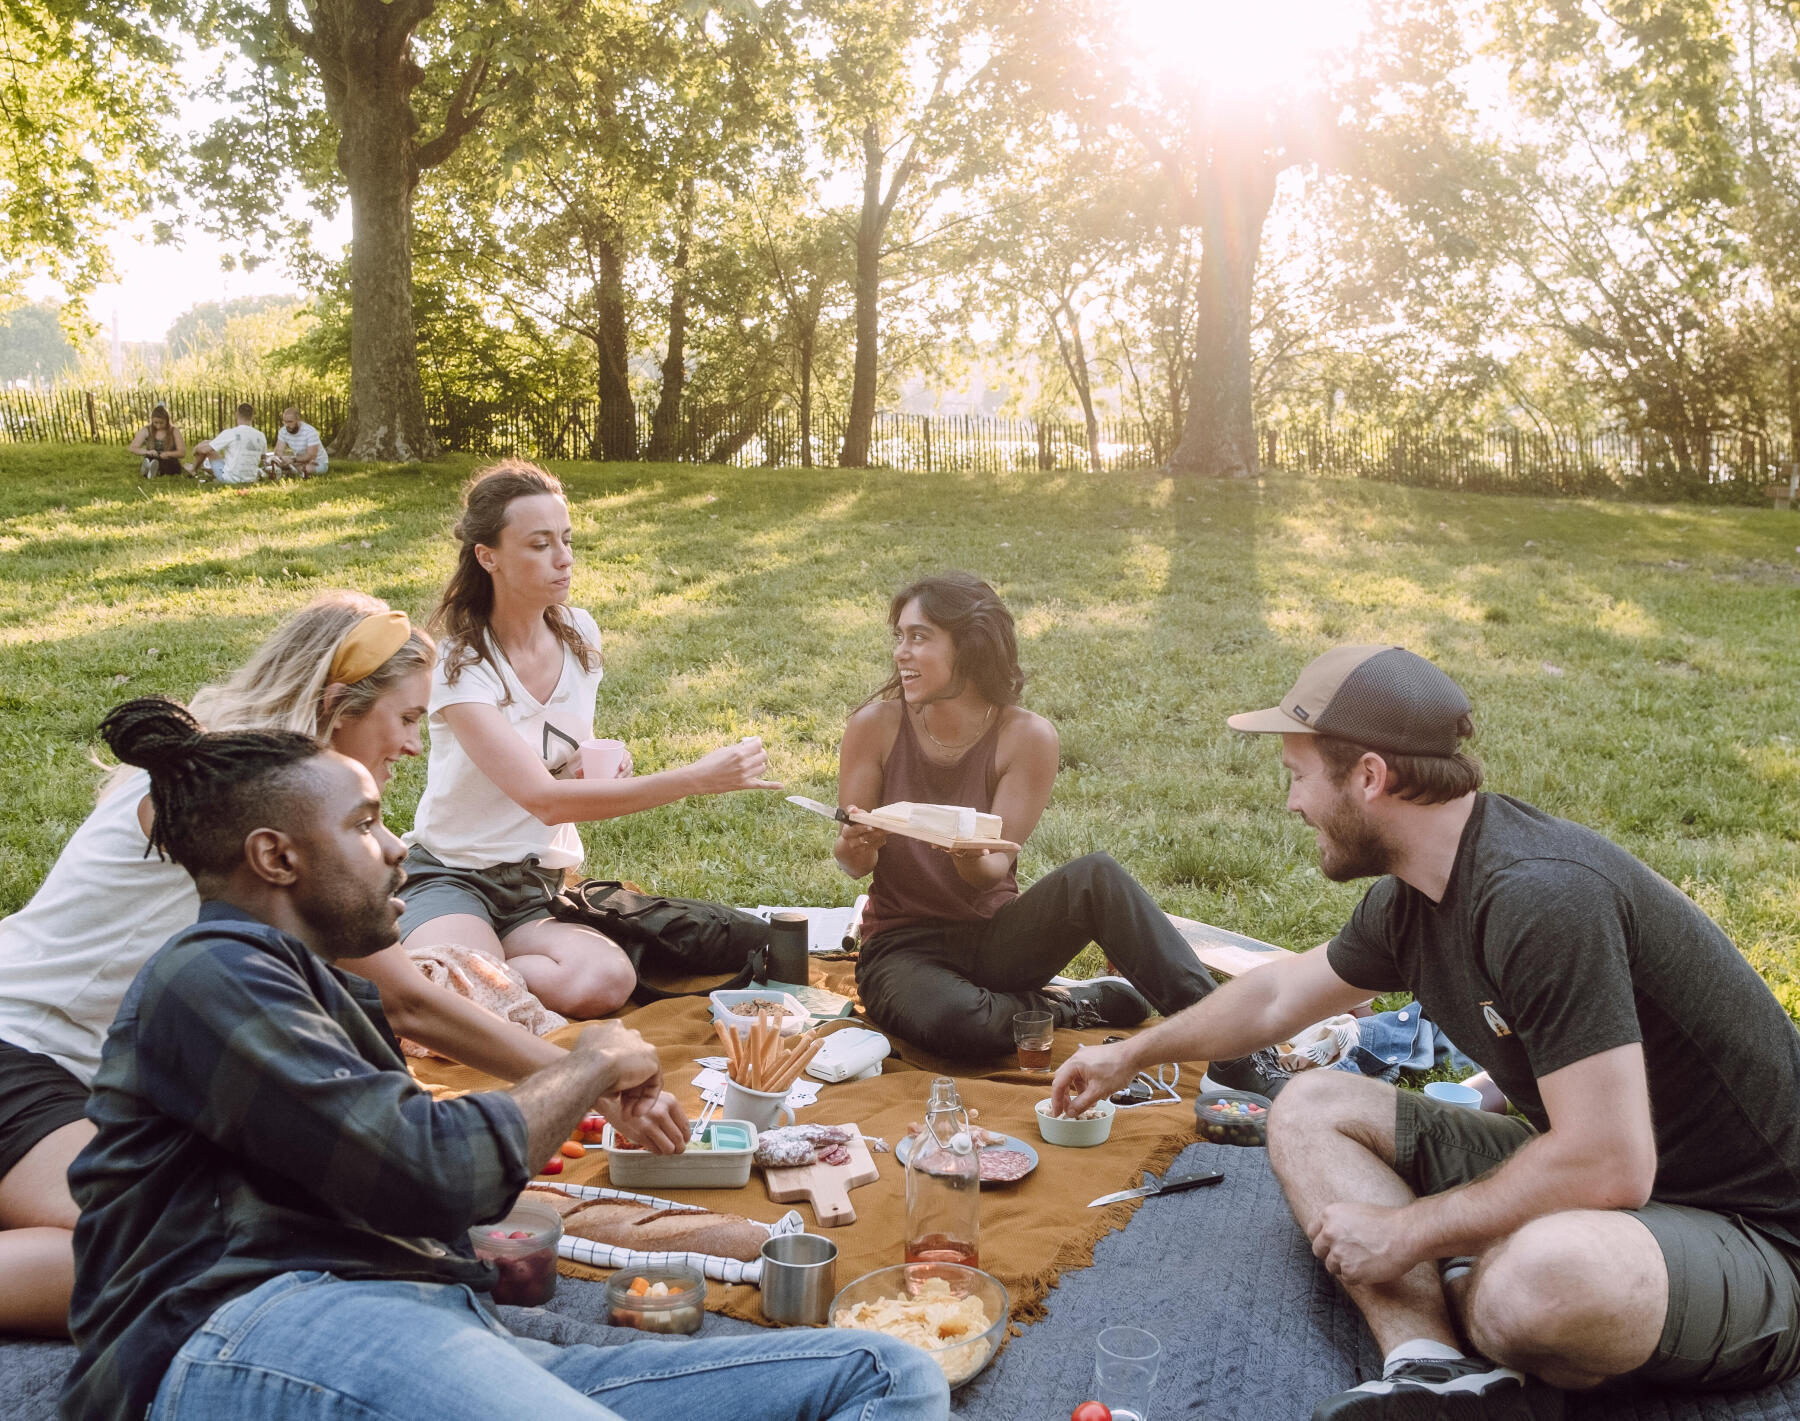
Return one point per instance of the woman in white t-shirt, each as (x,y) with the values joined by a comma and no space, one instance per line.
(345,668)
(512,699)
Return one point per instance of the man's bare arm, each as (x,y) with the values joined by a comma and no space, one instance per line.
(1264,1006)
(604,1061)
(1599,1153)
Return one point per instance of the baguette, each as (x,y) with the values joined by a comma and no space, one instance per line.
(646,1229)
(560,1200)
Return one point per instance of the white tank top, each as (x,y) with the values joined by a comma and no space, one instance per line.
(68,955)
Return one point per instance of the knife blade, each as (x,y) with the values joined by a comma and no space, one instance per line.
(1153,1185)
(812,804)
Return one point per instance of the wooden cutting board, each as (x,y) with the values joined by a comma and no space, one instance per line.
(826,1186)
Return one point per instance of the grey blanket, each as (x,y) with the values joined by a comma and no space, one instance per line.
(1252,1329)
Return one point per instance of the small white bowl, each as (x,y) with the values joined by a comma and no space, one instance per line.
(1079,1134)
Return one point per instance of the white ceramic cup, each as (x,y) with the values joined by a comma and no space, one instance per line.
(762,1108)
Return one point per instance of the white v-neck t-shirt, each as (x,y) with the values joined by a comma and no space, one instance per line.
(464,819)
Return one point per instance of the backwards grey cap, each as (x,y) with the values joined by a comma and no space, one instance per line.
(1385,697)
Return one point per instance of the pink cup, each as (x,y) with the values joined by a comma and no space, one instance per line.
(600,759)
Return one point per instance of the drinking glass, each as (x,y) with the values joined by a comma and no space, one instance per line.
(1034,1033)
(1125,1361)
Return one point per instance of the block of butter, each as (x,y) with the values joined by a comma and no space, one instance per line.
(954,821)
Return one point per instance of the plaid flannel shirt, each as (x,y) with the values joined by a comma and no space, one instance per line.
(255,1118)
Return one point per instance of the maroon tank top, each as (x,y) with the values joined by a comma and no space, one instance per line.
(913,881)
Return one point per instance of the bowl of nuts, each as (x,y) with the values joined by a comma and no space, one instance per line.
(1082,1131)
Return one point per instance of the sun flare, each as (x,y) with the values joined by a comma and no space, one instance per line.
(1241,46)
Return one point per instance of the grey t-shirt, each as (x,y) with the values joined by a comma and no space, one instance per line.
(1552,944)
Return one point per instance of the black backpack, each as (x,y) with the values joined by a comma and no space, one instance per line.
(670,937)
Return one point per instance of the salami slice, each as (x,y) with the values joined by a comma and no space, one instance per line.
(1004,1166)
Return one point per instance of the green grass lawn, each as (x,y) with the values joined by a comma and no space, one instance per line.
(1634,668)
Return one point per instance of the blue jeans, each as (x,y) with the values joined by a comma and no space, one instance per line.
(314,1347)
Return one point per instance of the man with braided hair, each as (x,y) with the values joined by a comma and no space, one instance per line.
(275,1216)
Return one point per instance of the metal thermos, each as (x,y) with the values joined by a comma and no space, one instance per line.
(788,960)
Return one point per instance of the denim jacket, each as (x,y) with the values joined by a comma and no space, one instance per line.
(1394,1041)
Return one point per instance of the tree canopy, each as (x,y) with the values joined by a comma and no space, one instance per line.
(1548,214)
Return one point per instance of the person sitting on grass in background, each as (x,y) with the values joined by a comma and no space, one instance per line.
(512,699)
(275,1216)
(298,448)
(232,456)
(951,950)
(1642,1220)
(160,445)
(345,669)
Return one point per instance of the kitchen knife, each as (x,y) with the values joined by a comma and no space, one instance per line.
(1153,1185)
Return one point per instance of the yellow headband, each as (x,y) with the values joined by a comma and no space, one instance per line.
(367,645)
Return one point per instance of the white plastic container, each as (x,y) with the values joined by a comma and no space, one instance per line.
(725,1166)
(793,1021)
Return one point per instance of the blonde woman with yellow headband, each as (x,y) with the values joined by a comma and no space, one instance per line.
(345,668)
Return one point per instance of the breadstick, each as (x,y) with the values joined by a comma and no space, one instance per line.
(791,1049)
(765,1055)
(800,1063)
(771,1052)
(733,1061)
(752,1057)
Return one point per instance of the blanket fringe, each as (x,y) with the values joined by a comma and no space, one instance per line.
(1031,1295)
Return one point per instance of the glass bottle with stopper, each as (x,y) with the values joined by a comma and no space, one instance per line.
(943,1184)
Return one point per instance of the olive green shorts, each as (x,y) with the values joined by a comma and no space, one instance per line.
(1734,1292)
(508,895)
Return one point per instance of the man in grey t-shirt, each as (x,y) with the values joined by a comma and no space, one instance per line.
(1643,1218)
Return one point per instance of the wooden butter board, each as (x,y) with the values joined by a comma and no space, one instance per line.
(826,1186)
(907,830)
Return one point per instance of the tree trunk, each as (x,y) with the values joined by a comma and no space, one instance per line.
(861,423)
(1792,372)
(740,432)
(806,394)
(1075,361)
(665,422)
(617,422)
(386,418)
(1218,438)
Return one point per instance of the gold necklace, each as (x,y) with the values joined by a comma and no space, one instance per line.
(967,743)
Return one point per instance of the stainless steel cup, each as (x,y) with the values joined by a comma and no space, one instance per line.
(799,1278)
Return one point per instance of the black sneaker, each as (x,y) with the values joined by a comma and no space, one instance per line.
(1103,1001)
(1259,1072)
(1440,1389)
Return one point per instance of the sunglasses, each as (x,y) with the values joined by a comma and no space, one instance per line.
(1147,1089)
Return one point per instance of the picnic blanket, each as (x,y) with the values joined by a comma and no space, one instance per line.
(1031,1232)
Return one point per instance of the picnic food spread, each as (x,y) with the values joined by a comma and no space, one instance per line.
(762,1059)
(1233,1117)
(735,1234)
(522,1248)
(935,1319)
(656,1300)
(792,1146)
(1004,1166)
(646,1228)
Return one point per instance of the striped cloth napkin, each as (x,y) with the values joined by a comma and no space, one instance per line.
(606,1255)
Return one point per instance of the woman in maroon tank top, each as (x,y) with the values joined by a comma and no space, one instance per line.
(951,948)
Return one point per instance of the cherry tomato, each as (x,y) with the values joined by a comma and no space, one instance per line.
(1091,1411)
(554,1167)
(572,1149)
